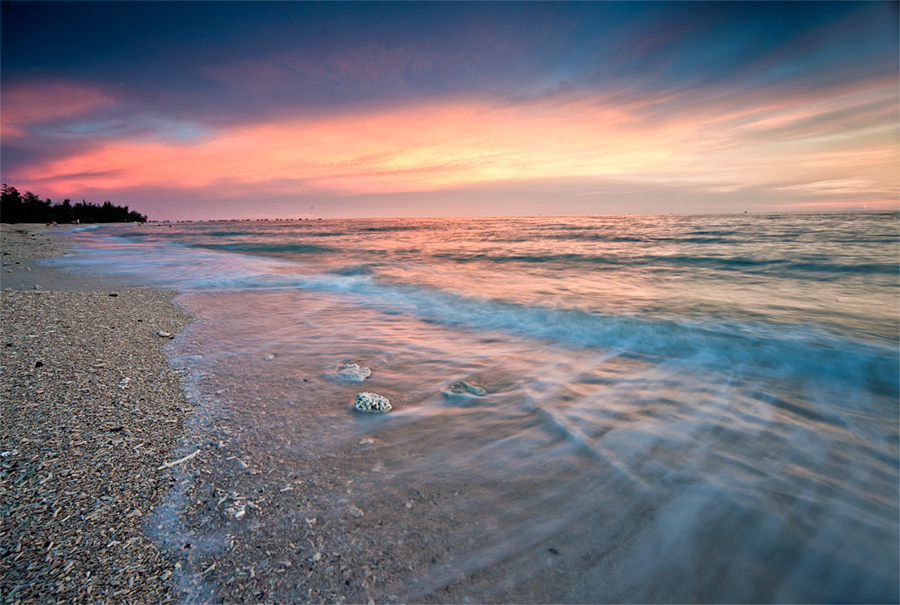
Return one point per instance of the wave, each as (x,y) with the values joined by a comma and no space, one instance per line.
(781,267)
(362,269)
(807,353)
(265,248)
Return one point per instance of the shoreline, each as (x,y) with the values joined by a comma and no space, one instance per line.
(94,514)
(91,410)
(276,491)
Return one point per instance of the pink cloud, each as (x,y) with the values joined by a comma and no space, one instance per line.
(728,143)
(410,148)
(43,103)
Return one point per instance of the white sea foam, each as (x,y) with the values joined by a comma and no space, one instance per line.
(806,352)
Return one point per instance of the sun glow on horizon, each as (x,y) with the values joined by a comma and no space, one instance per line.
(435,145)
(411,148)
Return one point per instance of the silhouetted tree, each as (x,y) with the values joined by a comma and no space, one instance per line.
(35,209)
(10,204)
(16,208)
(64,212)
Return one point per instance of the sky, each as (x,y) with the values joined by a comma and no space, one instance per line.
(218,110)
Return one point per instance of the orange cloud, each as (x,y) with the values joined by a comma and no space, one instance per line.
(723,144)
(405,149)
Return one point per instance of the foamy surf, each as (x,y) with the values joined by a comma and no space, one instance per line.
(732,438)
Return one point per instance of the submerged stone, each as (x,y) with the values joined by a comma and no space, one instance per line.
(372,402)
(461,388)
(353,372)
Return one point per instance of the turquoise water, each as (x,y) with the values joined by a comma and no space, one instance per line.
(687,407)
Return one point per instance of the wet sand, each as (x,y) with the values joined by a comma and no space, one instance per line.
(93,413)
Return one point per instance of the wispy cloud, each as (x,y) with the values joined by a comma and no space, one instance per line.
(732,100)
(24,106)
(429,145)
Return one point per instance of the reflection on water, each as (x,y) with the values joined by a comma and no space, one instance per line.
(753,487)
(838,270)
(677,409)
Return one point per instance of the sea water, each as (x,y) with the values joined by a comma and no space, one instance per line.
(677,408)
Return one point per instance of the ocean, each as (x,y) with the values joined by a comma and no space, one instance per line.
(676,408)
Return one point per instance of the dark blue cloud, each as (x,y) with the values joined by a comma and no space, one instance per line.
(502,48)
(174,64)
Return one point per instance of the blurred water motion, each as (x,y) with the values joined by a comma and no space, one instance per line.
(692,408)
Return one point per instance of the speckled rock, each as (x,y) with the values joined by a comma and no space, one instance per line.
(372,402)
(354,373)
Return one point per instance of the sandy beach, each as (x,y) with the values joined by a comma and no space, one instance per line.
(93,414)
(95,510)
(91,411)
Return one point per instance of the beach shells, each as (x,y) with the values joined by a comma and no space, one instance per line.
(464,388)
(238,511)
(372,402)
(355,512)
(80,527)
(354,373)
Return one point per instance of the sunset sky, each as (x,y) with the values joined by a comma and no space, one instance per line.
(249,110)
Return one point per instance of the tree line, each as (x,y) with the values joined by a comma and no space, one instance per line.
(29,208)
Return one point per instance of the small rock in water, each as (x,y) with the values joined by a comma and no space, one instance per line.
(372,402)
(464,387)
(269,357)
(353,372)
